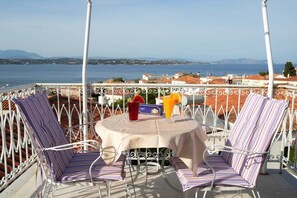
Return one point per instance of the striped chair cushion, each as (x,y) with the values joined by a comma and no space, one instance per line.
(45,131)
(267,126)
(244,125)
(66,166)
(254,130)
(78,169)
(225,174)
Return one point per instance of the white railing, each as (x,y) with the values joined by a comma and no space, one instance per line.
(16,151)
(211,105)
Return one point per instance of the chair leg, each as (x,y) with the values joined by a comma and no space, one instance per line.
(257,194)
(204,194)
(54,190)
(108,188)
(239,192)
(48,189)
(146,171)
(185,194)
(196,193)
(131,168)
(99,190)
(127,194)
(42,190)
(132,180)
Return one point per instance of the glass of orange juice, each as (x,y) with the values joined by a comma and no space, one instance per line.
(168,104)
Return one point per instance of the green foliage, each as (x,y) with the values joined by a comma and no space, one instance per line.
(195,75)
(118,79)
(151,97)
(119,103)
(261,73)
(292,154)
(152,94)
(289,69)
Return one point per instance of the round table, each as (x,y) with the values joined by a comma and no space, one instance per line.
(182,135)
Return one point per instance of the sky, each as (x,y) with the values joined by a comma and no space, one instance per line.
(203,30)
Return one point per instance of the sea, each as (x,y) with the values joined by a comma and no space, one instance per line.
(14,75)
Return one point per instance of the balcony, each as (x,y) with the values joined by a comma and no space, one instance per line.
(211,105)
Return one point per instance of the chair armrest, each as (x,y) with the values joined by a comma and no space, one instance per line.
(76,126)
(92,143)
(218,128)
(216,148)
(214,128)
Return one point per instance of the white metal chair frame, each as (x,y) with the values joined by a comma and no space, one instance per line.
(47,175)
(214,149)
(76,145)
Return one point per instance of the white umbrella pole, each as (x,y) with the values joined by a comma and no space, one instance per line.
(268,48)
(84,76)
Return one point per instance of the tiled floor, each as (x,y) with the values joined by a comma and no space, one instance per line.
(272,185)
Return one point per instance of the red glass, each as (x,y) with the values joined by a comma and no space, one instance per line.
(133,109)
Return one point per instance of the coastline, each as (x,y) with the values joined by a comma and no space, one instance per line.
(91,61)
(14,74)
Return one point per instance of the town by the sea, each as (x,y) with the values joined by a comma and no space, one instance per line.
(13,75)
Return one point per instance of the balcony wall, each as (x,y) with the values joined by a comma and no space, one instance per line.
(214,106)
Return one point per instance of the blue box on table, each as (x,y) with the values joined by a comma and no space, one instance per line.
(151,109)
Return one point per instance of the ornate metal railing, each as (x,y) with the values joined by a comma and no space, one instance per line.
(16,150)
(214,106)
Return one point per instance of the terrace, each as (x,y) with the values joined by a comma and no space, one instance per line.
(219,107)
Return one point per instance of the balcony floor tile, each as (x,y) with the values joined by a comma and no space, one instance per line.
(271,185)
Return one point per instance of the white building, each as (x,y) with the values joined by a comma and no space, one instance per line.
(111,97)
(264,80)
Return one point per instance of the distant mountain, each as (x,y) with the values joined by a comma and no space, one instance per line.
(241,61)
(18,54)
(21,54)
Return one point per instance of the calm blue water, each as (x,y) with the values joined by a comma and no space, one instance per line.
(24,74)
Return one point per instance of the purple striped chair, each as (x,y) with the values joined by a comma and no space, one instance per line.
(55,154)
(239,162)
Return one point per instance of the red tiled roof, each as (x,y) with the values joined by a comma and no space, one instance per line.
(294,78)
(160,80)
(164,80)
(257,77)
(189,80)
(217,81)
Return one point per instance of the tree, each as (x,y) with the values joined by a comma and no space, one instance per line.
(118,79)
(289,69)
(152,94)
(120,102)
(261,73)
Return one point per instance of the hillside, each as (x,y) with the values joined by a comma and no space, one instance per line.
(18,54)
(241,61)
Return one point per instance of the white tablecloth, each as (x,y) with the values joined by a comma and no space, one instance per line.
(184,136)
